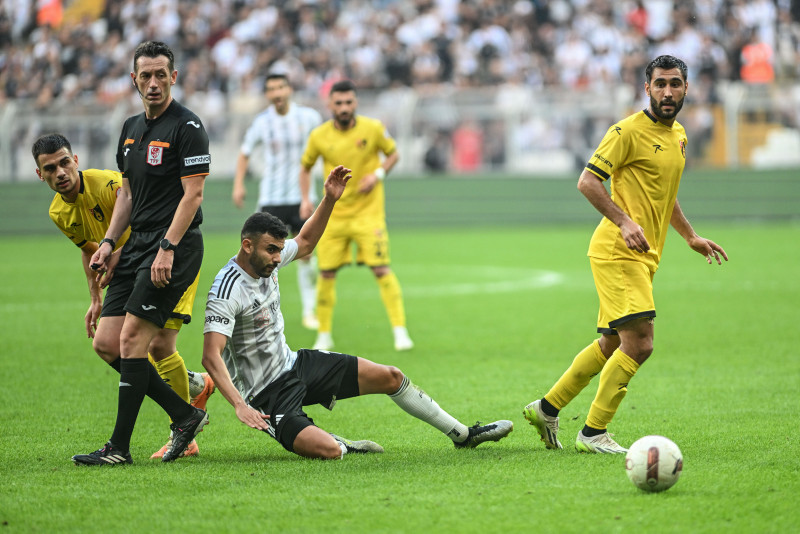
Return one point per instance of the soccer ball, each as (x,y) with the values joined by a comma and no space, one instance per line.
(654,463)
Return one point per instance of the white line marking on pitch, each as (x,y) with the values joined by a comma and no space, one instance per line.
(494,280)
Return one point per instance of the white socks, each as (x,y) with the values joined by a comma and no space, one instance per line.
(307,282)
(416,402)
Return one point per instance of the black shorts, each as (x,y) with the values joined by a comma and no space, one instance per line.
(289,214)
(316,378)
(132,291)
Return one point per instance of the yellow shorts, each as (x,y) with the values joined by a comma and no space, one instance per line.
(625,289)
(182,314)
(369,234)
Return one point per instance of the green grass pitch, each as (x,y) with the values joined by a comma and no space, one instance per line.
(499,299)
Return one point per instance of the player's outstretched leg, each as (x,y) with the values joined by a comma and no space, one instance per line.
(482,433)
(416,402)
(362,446)
(546,425)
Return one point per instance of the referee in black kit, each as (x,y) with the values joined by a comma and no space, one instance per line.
(164,158)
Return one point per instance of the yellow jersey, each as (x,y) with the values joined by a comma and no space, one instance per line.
(644,159)
(357,149)
(87,219)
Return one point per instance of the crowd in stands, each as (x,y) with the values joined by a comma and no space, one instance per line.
(52,49)
(68,54)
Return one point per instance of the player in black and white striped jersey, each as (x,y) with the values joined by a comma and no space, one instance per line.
(246,353)
(280,132)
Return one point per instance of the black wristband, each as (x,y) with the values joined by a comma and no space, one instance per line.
(110,242)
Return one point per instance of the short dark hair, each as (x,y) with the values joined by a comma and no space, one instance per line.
(49,143)
(154,49)
(666,62)
(342,86)
(261,223)
(277,76)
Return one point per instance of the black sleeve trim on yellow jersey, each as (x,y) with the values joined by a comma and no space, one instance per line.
(603,175)
(80,245)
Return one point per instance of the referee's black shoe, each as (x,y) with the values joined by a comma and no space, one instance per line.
(183,432)
(108,455)
(491,432)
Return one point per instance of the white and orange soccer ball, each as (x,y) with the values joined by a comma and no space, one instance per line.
(654,463)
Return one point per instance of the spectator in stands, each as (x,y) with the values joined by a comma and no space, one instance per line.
(757,58)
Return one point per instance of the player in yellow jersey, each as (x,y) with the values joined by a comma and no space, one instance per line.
(81,209)
(643,157)
(359,217)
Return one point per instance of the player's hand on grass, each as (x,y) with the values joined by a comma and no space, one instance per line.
(91,318)
(707,248)
(633,234)
(336,182)
(252,417)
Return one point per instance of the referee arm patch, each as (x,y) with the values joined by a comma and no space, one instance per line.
(204,159)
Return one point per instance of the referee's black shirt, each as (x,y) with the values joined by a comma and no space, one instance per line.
(154,155)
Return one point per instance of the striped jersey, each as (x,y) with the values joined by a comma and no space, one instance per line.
(644,158)
(282,139)
(87,219)
(247,311)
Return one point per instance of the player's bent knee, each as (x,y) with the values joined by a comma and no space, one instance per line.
(312,442)
(161,348)
(107,351)
(381,271)
(394,378)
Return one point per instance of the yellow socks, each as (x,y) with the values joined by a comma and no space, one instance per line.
(586,364)
(391,294)
(172,370)
(613,386)
(326,298)
(392,297)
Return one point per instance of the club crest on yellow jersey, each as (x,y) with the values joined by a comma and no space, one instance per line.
(97,213)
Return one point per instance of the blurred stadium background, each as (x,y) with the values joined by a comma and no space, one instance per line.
(468,87)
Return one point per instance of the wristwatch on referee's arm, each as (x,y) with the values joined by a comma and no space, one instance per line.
(166,245)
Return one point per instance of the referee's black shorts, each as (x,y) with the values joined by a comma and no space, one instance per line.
(317,378)
(132,290)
